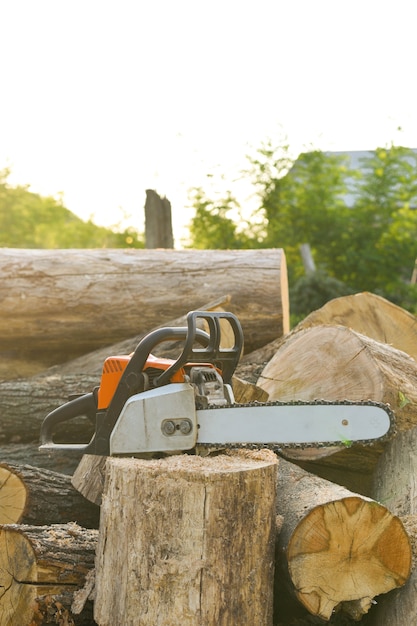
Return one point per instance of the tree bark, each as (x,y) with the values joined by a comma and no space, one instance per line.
(31,495)
(341,549)
(336,363)
(59,304)
(37,561)
(196,548)
(395,485)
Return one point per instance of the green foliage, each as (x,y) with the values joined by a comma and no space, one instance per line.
(370,245)
(28,220)
(212,228)
(312,291)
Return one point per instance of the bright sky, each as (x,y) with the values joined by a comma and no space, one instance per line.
(103,99)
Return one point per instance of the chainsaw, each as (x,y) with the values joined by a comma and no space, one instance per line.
(147,406)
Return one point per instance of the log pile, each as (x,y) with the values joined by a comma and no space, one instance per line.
(196,540)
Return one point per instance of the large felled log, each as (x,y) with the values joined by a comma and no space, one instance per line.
(336,363)
(341,549)
(196,548)
(38,561)
(31,495)
(59,304)
(370,315)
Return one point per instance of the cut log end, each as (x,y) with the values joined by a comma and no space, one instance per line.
(346,552)
(13,496)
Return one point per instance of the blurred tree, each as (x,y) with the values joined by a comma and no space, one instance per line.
(211,226)
(28,220)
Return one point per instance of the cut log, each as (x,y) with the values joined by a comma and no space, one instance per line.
(103,296)
(37,561)
(341,549)
(196,548)
(25,403)
(370,315)
(31,495)
(336,363)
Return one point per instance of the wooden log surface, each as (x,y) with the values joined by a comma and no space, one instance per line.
(59,304)
(196,548)
(341,549)
(31,495)
(370,315)
(38,561)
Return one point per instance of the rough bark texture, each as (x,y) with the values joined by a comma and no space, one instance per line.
(59,304)
(341,549)
(38,561)
(31,495)
(181,553)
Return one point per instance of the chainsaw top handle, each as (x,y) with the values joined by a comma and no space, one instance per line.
(224,358)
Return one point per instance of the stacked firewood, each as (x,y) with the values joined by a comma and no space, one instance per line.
(344,519)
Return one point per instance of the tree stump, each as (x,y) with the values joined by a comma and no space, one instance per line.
(194,548)
(341,549)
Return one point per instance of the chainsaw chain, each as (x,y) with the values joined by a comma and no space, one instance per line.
(304,446)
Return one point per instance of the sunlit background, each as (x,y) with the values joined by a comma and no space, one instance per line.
(103,99)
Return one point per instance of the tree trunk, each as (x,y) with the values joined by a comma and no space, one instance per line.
(370,315)
(158,221)
(41,560)
(341,549)
(336,363)
(30,495)
(196,548)
(59,304)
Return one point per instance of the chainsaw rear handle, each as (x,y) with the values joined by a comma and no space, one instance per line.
(85,405)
